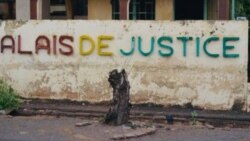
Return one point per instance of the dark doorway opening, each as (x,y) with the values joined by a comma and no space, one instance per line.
(7,10)
(248,67)
(58,9)
(189,9)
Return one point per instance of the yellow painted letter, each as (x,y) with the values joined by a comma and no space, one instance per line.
(92,45)
(101,45)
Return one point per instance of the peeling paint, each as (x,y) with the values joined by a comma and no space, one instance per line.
(11,26)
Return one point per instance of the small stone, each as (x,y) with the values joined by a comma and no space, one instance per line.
(23,132)
(209,126)
(135,133)
(226,129)
(5,112)
(10,116)
(159,126)
(126,127)
(82,137)
(173,129)
(83,104)
(81,124)
(41,111)
(167,128)
(2,112)
(199,125)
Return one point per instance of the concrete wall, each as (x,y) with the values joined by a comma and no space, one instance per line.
(202,80)
(164,9)
(99,10)
(23,10)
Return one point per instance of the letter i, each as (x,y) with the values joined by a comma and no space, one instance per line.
(54,44)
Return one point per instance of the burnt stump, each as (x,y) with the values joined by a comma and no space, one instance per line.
(119,110)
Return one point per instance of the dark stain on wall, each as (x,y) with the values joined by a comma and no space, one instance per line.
(238,105)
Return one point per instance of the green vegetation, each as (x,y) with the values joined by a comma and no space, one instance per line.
(243,8)
(194,115)
(8,97)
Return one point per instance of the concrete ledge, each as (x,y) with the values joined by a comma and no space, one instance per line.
(146,112)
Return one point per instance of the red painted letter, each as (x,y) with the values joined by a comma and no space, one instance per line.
(54,44)
(42,42)
(11,46)
(69,47)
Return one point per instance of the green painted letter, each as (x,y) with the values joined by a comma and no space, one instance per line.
(151,47)
(205,47)
(160,43)
(132,48)
(197,46)
(184,41)
(228,47)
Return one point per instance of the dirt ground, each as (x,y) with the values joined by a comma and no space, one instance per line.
(45,128)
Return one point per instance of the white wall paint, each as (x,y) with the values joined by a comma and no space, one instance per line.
(209,83)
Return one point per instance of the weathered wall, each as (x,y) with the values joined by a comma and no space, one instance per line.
(99,10)
(194,77)
(164,9)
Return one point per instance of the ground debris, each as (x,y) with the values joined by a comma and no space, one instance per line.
(139,132)
(5,112)
(209,126)
(226,129)
(83,137)
(84,123)
(2,112)
(23,132)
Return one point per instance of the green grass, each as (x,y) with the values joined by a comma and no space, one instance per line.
(194,115)
(8,97)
